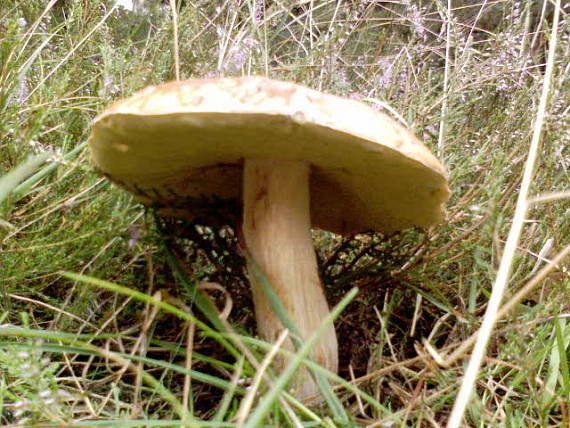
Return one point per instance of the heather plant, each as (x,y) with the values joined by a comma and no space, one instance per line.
(120,328)
(30,390)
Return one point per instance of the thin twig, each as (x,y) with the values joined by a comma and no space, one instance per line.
(441,137)
(515,300)
(247,402)
(175,38)
(188,365)
(510,247)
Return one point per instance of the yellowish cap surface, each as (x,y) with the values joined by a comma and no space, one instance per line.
(181,146)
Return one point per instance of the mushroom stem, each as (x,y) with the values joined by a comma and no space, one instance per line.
(277,233)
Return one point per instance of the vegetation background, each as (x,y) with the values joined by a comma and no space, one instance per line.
(75,351)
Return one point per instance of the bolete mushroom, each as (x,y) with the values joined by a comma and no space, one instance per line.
(291,157)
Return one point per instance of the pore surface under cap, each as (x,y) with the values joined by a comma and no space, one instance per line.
(182,144)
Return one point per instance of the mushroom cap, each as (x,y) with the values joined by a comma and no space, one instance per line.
(181,145)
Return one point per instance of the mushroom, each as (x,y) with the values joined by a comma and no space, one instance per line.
(292,158)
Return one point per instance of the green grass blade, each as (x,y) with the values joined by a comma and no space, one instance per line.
(151,300)
(230,393)
(332,377)
(72,346)
(10,180)
(201,301)
(23,188)
(268,400)
(144,423)
(330,398)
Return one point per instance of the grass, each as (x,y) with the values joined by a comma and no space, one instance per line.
(127,338)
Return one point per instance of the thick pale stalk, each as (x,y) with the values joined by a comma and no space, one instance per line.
(277,233)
